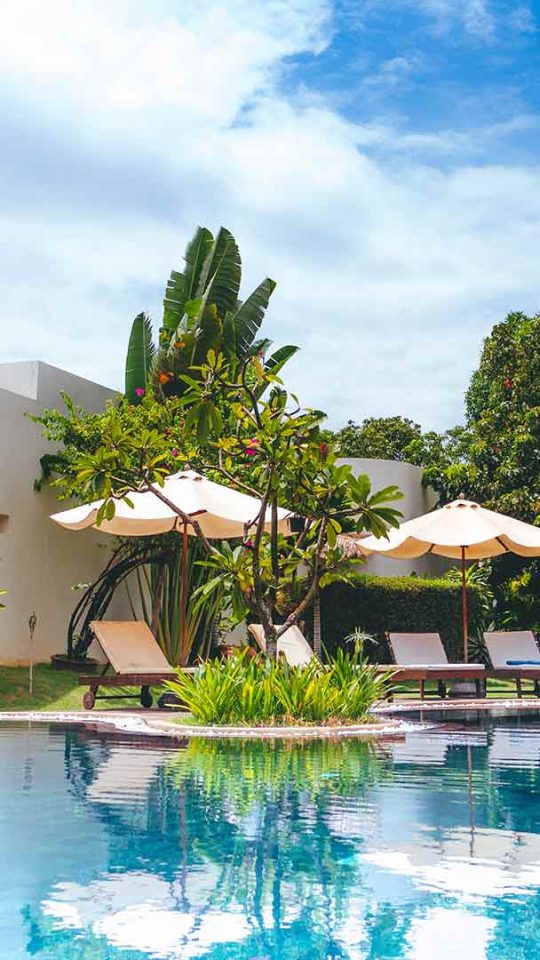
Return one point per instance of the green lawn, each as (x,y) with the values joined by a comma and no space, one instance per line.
(59,690)
(53,690)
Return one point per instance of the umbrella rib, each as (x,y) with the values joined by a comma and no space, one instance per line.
(503,545)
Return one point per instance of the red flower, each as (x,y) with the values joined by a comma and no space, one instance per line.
(323,450)
(248,544)
(508,383)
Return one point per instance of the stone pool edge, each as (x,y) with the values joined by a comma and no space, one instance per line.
(148,726)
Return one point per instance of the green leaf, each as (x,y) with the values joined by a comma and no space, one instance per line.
(196,253)
(279,358)
(249,316)
(140,357)
(173,302)
(219,281)
(182,286)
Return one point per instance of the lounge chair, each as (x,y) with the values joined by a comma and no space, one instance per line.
(421,656)
(134,656)
(292,645)
(514,655)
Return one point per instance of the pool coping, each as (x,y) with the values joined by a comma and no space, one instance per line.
(481,705)
(133,723)
(389,725)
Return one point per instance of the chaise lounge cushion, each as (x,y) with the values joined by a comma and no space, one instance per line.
(511,649)
(423,651)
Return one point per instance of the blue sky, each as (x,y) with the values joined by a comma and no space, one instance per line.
(378,158)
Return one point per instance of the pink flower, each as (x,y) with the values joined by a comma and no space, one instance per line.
(174,453)
(252,450)
(140,392)
(248,544)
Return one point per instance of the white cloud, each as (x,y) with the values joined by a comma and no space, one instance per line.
(129,124)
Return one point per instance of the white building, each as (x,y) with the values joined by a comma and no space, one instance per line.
(40,562)
(417,499)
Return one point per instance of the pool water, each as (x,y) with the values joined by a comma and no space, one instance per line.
(426,846)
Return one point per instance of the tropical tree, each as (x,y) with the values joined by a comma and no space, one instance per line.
(275,451)
(201,312)
(495,457)
(384,438)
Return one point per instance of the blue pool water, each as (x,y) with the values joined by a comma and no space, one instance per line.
(417,848)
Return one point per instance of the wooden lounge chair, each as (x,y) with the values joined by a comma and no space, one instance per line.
(421,656)
(292,645)
(135,658)
(515,656)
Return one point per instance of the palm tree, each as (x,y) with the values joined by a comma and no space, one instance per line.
(201,312)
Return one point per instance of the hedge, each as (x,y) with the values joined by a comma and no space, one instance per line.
(407,604)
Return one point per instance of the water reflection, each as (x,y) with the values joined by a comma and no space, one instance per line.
(256,851)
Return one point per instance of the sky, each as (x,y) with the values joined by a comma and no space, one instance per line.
(377,158)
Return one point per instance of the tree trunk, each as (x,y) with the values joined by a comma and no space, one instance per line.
(317,639)
(271,645)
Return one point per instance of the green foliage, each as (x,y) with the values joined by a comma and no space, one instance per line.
(139,359)
(495,457)
(384,438)
(384,604)
(252,691)
(81,434)
(219,403)
(159,596)
(201,312)
(271,448)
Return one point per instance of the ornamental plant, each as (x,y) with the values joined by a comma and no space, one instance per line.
(253,691)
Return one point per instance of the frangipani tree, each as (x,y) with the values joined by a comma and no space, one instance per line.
(275,451)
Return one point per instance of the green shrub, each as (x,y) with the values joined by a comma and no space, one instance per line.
(384,604)
(250,691)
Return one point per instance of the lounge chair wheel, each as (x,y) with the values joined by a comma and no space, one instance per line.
(146,698)
(89,700)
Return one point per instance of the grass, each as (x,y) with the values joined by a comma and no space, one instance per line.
(56,690)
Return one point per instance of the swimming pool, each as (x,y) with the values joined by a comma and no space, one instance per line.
(422,847)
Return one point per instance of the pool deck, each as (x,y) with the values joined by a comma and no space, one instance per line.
(391,721)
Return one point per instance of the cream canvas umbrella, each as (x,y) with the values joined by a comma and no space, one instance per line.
(221,512)
(461,530)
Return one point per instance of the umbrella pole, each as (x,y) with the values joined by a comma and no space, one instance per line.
(184,590)
(464,611)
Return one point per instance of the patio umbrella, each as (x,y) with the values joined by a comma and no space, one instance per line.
(221,512)
(461,530)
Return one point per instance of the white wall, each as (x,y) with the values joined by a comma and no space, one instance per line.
(417,500)
(39,561)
